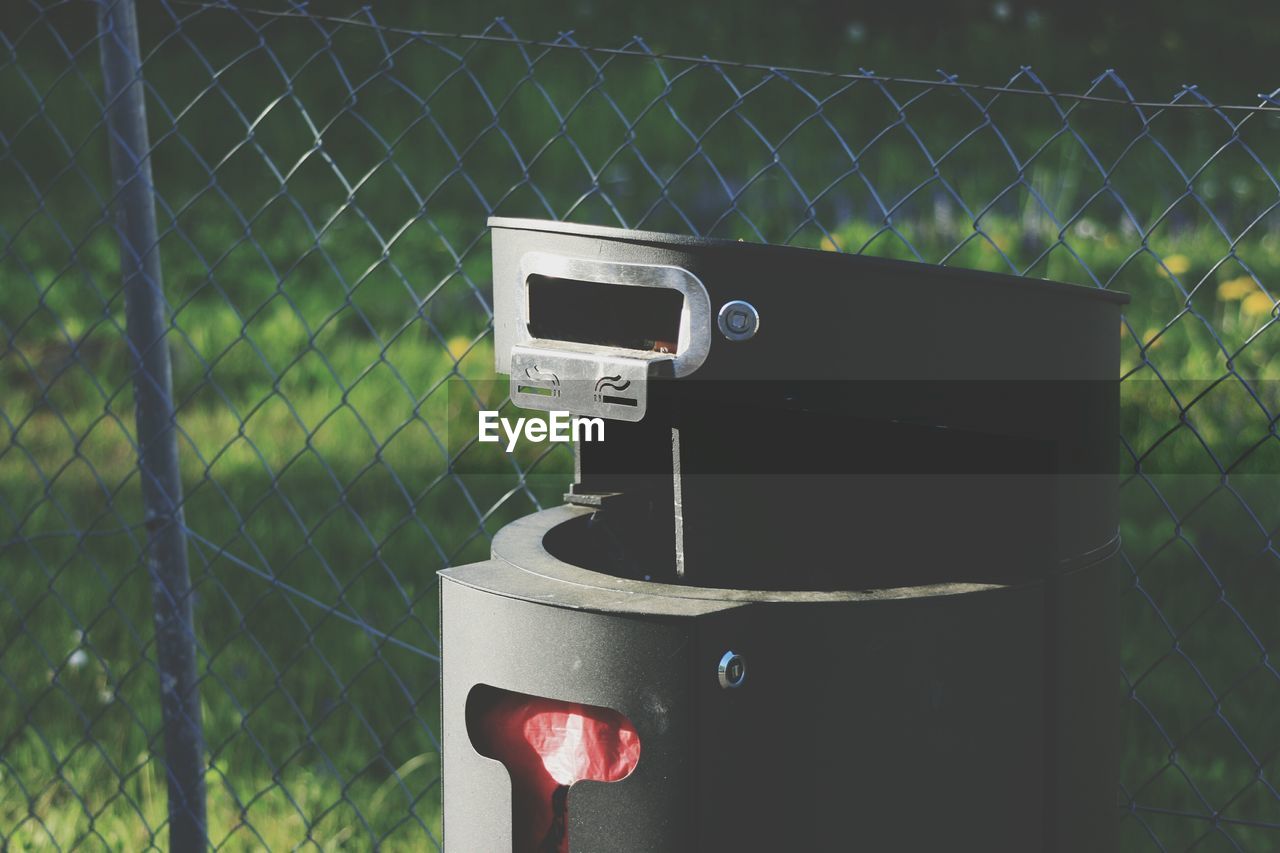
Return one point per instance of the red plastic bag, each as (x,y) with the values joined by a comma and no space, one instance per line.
(547,745)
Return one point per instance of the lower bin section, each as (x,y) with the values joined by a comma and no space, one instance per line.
(948,717)
(636,666)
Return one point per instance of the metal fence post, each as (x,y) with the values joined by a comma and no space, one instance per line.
(146,318)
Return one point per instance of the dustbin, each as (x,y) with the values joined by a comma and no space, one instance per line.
(840,575)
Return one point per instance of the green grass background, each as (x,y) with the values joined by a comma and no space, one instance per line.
(322,211)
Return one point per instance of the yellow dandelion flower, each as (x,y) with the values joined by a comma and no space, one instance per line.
(1236,289)
(457,346)
(831,243)
(1257,304)
(1151,341)
(1175,264)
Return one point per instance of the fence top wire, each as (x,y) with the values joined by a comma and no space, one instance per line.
(1188,97)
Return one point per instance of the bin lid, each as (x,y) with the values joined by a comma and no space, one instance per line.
(660,238)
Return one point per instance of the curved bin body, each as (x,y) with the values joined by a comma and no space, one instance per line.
(894,502)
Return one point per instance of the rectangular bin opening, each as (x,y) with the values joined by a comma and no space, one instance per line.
(630,317)
(547,745)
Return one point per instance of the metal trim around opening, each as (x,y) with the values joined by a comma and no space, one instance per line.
(694,341)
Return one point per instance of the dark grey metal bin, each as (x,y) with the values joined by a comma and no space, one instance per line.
(885,487)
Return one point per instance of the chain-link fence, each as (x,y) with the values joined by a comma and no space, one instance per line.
(319,189)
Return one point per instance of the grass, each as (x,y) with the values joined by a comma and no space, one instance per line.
(89,802)
(322,333)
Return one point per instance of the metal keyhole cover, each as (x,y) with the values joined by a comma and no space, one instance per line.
(732,671)
(738,320)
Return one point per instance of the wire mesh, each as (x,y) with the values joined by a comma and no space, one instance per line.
(322,186)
